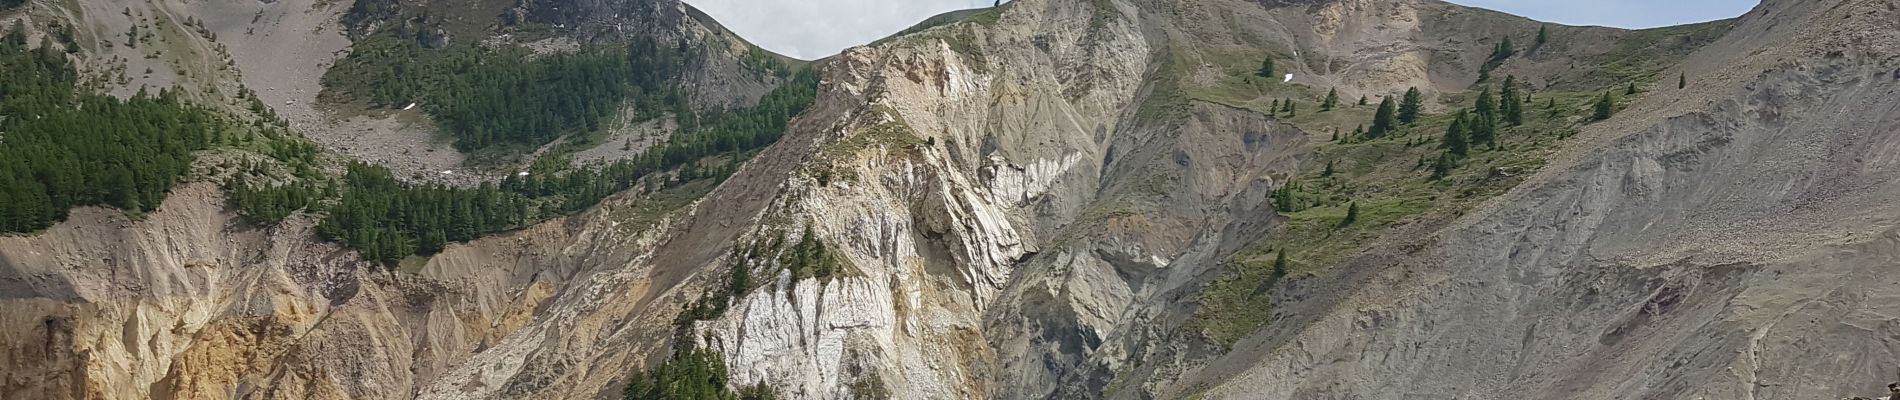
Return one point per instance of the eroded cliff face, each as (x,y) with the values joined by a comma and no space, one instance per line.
(188,303)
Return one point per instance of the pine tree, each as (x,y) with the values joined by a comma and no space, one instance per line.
(1606,107)
(1483,124)
(1442,168)
(1275,107)
(1513,107)
(1352,214)
(1266,67)
(1362,99)
(1411,105)
(1332,100)
(1283,197)
(1290,109)
(1543,35)
(1632,89)
(1335,134)
(1682,81)
(1456,142)
(1329,169)
(1279,266)
(1384,120)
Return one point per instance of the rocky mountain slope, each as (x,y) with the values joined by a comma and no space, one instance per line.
(1057,198)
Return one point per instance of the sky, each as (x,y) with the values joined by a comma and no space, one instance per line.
(812,29)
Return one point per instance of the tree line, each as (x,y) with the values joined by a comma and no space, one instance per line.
(387,220)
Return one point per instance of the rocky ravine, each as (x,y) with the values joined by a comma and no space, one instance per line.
(1023,214)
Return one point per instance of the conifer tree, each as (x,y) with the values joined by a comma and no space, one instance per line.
(1632,89)
(1283,197)
(1543,35)
(1442,168)
(1512,108)
(1456,142)
(1352,214)
(1483,124)
(1362,100)
(1332,100)
(1411,105)
(1279,266)
(1384,120)
(1266,67)
(1329,169)
(1682,81)
(1605,107)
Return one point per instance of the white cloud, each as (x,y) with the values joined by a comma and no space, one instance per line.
(811,29)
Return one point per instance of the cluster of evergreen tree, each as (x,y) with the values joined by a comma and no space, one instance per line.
(506,98)
(1479,125)
(1287,197)
(810,257)
(62,147)
(386,220)
(265,203)
(693,374)
(1390,116)
(489,97)
(10,4)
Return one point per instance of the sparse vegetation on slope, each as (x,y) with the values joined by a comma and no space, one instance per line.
(1373,184)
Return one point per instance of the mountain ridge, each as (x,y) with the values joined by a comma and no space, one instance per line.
(1022,205)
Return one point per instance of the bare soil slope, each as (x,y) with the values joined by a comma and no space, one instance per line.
(1728,241)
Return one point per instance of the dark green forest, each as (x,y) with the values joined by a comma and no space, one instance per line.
(386,220)
(62,147)
(485,98)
